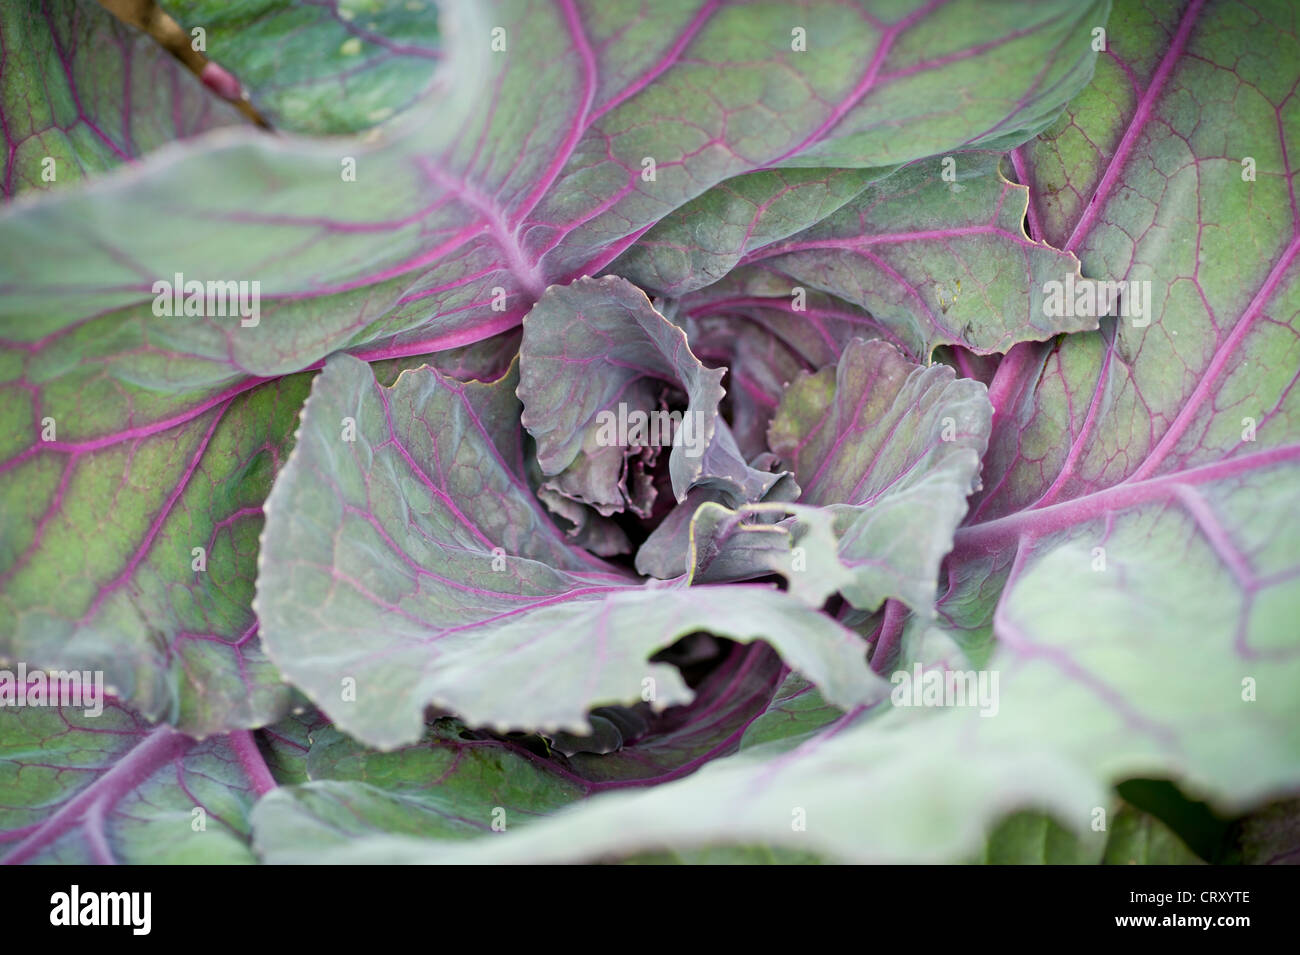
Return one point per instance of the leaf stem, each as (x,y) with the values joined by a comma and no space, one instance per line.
(250,758)
(891,630)
(92,804)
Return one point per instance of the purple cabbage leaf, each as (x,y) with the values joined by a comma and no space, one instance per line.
(623,408)
(1129,567)
(435,230)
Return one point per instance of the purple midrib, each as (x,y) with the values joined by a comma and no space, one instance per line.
(423,347)
(1136,125)
(160,747)
(992,536)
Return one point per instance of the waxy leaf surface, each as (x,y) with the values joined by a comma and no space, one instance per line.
(486,609)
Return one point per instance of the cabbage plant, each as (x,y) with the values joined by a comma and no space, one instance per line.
(706,431)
